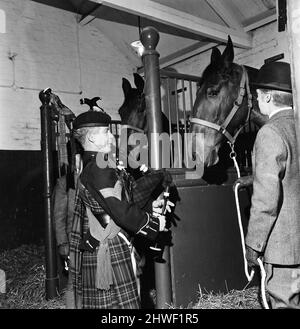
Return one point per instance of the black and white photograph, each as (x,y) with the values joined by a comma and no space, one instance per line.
(149,159)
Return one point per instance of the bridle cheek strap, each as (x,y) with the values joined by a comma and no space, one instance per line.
(214,126)
(244,86)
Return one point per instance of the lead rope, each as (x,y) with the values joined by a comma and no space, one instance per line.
(261,266)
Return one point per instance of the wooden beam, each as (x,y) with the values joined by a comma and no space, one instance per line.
(260,23)
(186,53)
(228,17)
(87,18)
(180,20)
(110,32)
(182,55)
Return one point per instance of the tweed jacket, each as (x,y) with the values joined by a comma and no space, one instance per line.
(274,225)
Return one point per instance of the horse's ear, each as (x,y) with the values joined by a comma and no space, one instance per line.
(139,82)
(126,86)
(215,58)
(228,53)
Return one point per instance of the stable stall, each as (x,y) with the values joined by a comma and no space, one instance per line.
(205,253)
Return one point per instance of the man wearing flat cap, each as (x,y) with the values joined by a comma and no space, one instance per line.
(274,225)
(103,222)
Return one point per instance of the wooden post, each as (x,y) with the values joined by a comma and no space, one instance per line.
(149,39)
(293,22)
(51,281)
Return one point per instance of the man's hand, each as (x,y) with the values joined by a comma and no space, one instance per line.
(157,205)
(162,223)
(251,256)
(120,165)
(143,168)
(159,211)
(244,181)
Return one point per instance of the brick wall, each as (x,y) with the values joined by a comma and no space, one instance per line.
(52,50)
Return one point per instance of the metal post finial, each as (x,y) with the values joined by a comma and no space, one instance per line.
(149,38)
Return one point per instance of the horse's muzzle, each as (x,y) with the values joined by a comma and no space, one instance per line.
(212,158)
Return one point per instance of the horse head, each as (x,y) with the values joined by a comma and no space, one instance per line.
(222,106)
(133,109)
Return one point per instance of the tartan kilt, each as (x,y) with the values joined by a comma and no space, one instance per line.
(123,294)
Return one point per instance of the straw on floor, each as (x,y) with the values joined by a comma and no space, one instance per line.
(25,286)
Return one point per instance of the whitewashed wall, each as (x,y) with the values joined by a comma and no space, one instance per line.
(267,42)
(52,50)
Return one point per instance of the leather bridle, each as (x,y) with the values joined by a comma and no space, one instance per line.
(222,128)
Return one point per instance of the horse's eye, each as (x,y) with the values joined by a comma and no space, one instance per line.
(212,92)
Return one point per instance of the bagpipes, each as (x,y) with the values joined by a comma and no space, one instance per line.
(148,185)
(162,239)
(143,191)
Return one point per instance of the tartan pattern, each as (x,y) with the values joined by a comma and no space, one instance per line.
(75,239)
(144,187)
(123,293)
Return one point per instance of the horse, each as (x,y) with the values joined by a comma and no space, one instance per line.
(225,102)
(133,110)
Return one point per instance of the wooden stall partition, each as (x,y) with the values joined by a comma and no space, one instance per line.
(207,255)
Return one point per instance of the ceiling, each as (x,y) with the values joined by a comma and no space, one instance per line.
(186,27)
